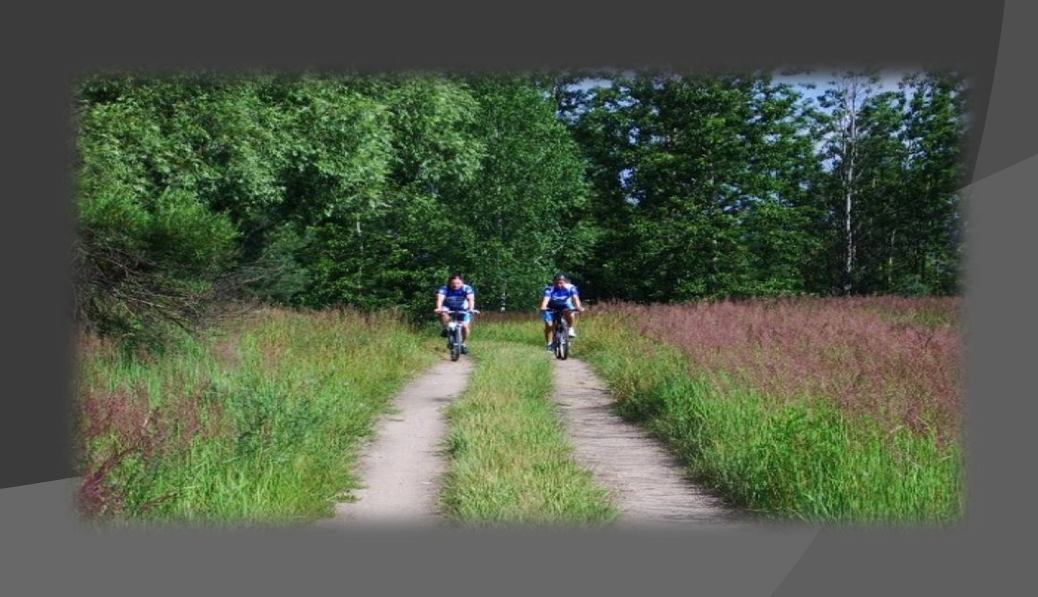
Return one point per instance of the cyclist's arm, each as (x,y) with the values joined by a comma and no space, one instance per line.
(544,303)
(471,298)
(575,295)
(439,301)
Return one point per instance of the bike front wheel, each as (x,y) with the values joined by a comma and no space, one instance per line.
(456,347)
(562,342)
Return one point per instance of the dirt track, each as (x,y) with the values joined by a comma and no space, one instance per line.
(400,469)
(648,483)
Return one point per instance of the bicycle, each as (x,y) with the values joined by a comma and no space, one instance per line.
(454,331)
(560,341)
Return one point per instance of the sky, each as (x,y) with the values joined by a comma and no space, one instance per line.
(888,81)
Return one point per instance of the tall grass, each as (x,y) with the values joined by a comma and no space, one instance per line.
(510,461)
(258,423)
(824,410)
(893,359)
(805,458)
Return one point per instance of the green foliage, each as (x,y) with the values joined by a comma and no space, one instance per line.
(396,246)
(518,219)
(435,142)
(734,185)
(370,189)
(704,182)
(906,153)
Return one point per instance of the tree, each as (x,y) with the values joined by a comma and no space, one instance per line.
(934,131)
(369,190)
(881,200)
(394,242)
(521,216)
(148,247)
(702,182)
(841,134)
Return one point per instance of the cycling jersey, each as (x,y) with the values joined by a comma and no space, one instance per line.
(456,300)
(561,297)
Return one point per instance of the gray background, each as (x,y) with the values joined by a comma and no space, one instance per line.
(44,549)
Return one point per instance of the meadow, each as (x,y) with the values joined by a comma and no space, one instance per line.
(196,190)
(837,410)
(826,410)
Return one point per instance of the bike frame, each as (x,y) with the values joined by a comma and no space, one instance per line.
(560,332)
(455,336)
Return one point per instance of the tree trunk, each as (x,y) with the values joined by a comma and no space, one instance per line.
(890,261)
(850,149)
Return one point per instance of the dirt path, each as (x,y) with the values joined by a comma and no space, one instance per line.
(650,485)
(400,469)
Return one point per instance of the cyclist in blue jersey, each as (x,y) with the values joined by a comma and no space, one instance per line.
(456,295)
(560,295)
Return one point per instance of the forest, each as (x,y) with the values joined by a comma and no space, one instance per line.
(367,190)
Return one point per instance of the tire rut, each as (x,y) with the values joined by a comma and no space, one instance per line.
(650,485)
(402,466)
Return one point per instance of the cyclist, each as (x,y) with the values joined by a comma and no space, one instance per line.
(557,296)
(456,295)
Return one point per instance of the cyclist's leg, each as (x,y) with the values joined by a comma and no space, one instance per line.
(466,327)
(571,317)
(549,326)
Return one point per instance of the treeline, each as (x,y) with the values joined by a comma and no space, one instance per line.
(736,185)
(315,191)
(368,190)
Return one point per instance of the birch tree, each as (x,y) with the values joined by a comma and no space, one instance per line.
(844,101)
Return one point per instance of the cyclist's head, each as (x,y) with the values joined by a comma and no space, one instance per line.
(455,281)
(560,279)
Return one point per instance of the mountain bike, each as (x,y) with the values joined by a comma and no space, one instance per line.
(455,333)
(560,342)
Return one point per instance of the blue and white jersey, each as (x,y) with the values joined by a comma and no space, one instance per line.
(560,296)
(456,300)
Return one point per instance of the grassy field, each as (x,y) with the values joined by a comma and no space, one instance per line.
(510,461)
(255,423)
(821,410)
(843,410)
(897,360)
